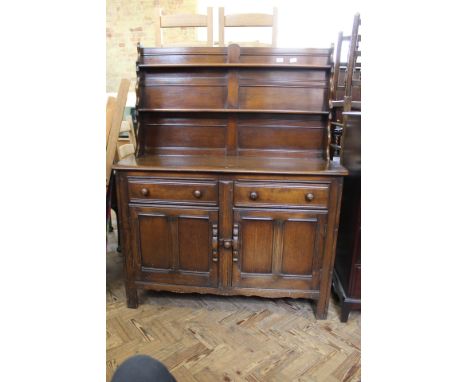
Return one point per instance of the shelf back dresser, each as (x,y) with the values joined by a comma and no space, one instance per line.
(231,191)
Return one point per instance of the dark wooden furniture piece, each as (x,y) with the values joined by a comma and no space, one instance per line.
(346,113)
(347,273)
(232,190)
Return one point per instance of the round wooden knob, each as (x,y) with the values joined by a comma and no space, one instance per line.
(309,197)
(197,193)
(253,195)
(227,244)
(144,191)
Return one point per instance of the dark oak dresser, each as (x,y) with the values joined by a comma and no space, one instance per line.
(232,190)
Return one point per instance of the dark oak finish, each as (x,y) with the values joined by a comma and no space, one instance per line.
(347,275)
(347,122)
(232,191)
(261,194)
(174,245)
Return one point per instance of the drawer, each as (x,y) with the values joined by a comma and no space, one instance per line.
(258,194)
(172,191)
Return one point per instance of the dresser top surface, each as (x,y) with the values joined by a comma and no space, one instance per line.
(231,164)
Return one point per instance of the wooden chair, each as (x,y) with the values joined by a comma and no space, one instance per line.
(184,21)
(346,89)
(249,20)
(114,112)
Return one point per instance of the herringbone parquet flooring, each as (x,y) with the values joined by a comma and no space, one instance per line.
(214,338)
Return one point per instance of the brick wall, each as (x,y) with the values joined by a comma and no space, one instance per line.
(131,21)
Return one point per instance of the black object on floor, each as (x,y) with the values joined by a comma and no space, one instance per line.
(142,368)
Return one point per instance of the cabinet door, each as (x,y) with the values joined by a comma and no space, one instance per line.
(176,246)
(278,249)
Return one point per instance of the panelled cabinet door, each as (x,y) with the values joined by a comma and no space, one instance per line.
(177,246)
(278,249)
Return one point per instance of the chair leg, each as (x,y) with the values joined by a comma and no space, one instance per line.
(345,310)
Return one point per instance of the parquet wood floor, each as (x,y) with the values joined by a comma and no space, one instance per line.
(215,338)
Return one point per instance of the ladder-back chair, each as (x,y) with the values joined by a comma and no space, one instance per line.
(183,21)
(248,20)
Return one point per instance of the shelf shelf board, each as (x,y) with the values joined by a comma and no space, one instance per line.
(235,65)
(263,111)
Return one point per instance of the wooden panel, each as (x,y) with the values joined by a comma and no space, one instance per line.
(279,249)
(141,189)
(266,135)
(155,241)
(257,240)
(298,247)
(174,135)
(255,281)
(285,75)
(188,97)
(192,134)
(175,245)
(182,55)
(285,56)
(286,138)
(194,244)
(198,88)
(283,98)
(281,194)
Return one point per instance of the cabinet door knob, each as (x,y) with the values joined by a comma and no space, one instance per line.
(197,194)
(253,195)
(309,197)
(227,244)
(144,191)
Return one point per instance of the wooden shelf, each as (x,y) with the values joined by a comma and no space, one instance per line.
(231,164)
(263,111)
(235,65)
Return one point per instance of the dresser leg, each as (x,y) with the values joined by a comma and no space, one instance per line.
(321,311)
(345,309)
(132,297)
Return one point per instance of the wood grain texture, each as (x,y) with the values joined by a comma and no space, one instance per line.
(214,338)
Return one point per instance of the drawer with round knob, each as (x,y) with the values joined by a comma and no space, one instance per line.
(170,191)
(286,195)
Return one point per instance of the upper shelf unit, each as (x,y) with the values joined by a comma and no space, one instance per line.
(234,79)
(234,101)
